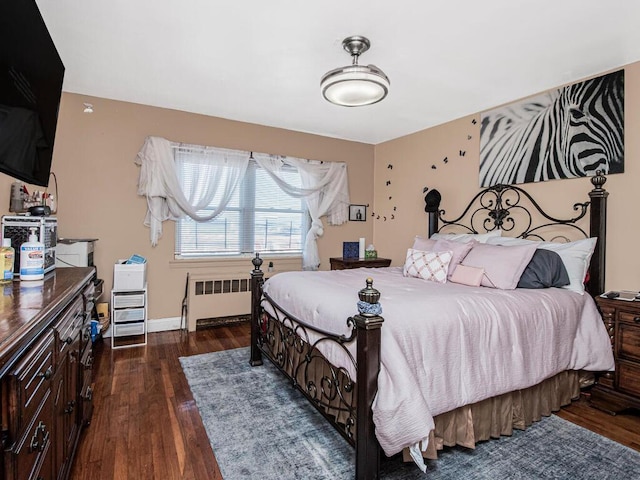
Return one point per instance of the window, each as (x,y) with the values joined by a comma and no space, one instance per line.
(259,217)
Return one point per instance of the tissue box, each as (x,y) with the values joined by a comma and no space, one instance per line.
(370,254)
(131,276)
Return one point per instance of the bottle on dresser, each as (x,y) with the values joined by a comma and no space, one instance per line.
(7,257)
(32,258)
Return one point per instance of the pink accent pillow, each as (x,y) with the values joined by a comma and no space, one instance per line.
(458,249)
(430,266)
(502,265)
(467,275)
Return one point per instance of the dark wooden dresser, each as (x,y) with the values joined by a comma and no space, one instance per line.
(45,372)
(339,263)
(619,390)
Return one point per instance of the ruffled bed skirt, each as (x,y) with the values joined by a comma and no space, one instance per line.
(499,415)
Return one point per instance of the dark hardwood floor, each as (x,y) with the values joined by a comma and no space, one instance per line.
(146,425)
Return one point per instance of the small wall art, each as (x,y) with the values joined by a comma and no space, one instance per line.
(358,213)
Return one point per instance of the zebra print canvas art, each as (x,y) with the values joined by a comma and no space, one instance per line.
(567,132)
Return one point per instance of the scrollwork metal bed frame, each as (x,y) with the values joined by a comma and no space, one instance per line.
(346,402)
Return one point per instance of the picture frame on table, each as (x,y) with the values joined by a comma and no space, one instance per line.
(357,213)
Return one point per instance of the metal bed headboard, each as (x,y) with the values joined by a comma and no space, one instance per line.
(512,209)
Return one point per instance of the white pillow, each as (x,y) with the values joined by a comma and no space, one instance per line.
(575,256)
(467,237)
(432,266)
(513,241)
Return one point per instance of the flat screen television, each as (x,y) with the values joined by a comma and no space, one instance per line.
(31,74)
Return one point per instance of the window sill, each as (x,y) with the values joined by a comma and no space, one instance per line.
(243,262)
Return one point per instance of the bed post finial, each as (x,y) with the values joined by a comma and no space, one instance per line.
(368,305)
(598,228)
(598,180)
(368,324)
(257,280)
(257,262)
(432,206)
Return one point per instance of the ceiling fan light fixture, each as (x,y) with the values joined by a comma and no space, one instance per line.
(355,85)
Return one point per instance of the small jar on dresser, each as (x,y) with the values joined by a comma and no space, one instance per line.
(619,390)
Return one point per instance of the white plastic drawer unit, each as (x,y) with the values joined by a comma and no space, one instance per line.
(128,300)
(128,315)
(126,329)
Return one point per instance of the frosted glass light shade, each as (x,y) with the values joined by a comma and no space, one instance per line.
(355,85)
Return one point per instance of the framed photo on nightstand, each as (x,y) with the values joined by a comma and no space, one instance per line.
(358,213)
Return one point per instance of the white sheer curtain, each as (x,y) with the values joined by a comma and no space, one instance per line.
(324,187)
(160,183)
(325,190)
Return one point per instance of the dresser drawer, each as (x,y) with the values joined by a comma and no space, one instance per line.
(628,341)
(31,382)
(89,297)
(67,328)
(86,387)
(33,449)
(628,375)
(630,317)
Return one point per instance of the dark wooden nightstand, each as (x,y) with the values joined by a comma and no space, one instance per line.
(339,263)
(619,390)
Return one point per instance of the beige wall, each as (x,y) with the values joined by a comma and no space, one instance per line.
(97,179)
(413,156)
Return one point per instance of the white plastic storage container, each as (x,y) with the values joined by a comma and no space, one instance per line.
(132,276)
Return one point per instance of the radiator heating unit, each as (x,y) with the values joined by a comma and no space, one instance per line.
(218,299)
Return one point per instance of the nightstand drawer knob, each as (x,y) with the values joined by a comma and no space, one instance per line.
(636,319)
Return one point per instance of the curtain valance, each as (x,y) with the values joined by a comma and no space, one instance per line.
(324,187)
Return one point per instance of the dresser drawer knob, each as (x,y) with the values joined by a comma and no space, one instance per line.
(46,374)
(636,319)
(70,407)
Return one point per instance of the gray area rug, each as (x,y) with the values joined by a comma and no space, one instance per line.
(261,428)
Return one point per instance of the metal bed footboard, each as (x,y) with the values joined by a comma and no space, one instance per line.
(344,401)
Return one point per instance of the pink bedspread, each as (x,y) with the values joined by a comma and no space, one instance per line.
(448,345)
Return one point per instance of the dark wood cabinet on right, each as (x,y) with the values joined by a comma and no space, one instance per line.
(619,390)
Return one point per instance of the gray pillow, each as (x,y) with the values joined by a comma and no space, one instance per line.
(544,270)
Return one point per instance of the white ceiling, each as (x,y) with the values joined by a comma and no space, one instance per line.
(260,61)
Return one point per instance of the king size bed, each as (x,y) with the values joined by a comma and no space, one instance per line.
(450,359)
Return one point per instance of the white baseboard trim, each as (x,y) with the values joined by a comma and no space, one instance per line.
(158,325)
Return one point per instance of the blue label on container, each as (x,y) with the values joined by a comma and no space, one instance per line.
(31,271)
(8,275)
